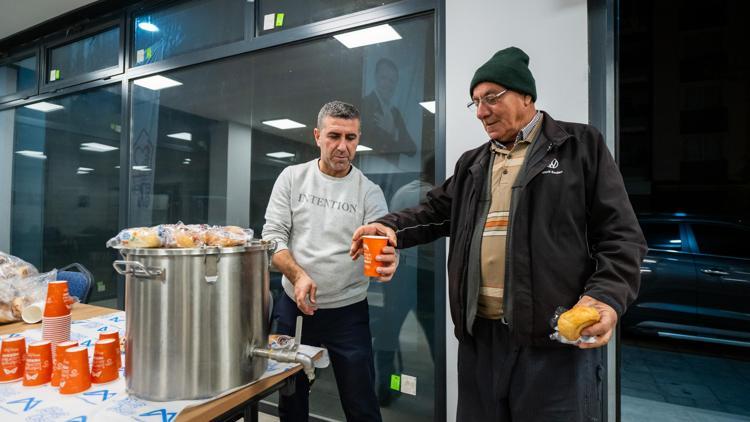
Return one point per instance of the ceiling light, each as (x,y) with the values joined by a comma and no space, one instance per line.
(280,154)
(32,154)
(97,147)
(188,159)
(187,136)
(117,167)
(361,148)
(141,168)
(85,169)
(429,106)
(367,36)
(45,107)
(148,26)
(157,82)
(284,124)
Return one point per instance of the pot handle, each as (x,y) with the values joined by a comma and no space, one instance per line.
(137,269)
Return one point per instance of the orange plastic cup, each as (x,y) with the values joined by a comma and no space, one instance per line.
(373,246)
(60,349)
(115,335)
(38,369)
(104,368)
(12,357)
(58,300)
(75,376)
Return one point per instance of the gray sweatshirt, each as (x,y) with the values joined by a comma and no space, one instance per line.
(314,216)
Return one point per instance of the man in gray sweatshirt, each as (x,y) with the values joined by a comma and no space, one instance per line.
(313,209)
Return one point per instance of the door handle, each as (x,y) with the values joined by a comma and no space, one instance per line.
(710,271)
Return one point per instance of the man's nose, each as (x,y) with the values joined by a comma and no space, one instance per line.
(341,146)
(483,110)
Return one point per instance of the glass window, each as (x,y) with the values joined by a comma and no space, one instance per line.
(714,239)
(97,52)
(208,146)
(662,235)
(188,27)
(18,76)
(282,14)
(65,182)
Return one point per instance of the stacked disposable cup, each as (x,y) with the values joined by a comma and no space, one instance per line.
(56,319)
(38,364)
(115,335)
(12,358)
(104,367)
(75,376)
(58,359)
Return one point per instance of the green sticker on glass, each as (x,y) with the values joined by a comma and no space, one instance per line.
(148,53)
(57,74)
(395,382)
(279,19)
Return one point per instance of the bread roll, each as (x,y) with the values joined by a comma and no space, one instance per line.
(226,236)
(141,237)
(571,323)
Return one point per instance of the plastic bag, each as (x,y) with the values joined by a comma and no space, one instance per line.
(19,292)
(226,236)
(14,267)
(139,237)
(556,336)
(183,236)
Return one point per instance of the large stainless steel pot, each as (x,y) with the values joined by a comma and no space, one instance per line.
(194,317)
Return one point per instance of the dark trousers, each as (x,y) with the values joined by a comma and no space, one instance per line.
(501,381)
(345,332)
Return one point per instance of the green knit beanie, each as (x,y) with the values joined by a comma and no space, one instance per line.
(510,68)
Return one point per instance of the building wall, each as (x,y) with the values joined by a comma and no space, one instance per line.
(554,35)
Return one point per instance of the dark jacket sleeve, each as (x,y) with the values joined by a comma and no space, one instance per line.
(615,239)
(427,221)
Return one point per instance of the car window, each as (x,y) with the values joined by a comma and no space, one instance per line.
(662,235)
(722,240)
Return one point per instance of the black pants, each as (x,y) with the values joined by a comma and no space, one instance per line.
(345,332)
(501,381)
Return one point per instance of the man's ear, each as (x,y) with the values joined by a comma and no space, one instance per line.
(526,100)
(316,135)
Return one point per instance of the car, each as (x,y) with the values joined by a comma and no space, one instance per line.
(695,280)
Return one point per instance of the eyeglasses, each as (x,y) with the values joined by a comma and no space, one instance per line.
(490,100)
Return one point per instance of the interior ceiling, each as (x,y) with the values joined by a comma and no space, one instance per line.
(19,15)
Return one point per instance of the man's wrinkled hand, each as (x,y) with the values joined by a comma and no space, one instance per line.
(602,329)
(373,229)
(304,294)
(389,258)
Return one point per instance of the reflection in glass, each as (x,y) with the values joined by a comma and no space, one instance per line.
(209,149)
(187,27)
(277,15)
(18,76)
(97,52)
(65,182)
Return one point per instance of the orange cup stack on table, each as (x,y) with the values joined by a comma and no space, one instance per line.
(58,359)
(75,377)
(56,318)
(104,368)
(38,369)
(12,358)
(372,247)
(115,335)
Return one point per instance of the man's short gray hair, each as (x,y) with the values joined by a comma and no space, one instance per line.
(339,110)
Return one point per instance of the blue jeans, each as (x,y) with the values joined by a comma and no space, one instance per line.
(345,332)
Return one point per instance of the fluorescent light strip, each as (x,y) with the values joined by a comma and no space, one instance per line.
(97,147)
(429,106)
(45,107)
(86,169)
(32,154)
(283,124)
(185,136)
(280,154)
(141,168)
(361,148)
(157,82)
(367,36)
(148,26)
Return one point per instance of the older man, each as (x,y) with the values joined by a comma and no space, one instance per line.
(313,209)
(538,218)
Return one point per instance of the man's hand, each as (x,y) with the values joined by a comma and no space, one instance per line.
(602,329)
(304,294)
(388,257)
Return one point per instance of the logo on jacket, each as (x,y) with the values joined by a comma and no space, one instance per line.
(554,164)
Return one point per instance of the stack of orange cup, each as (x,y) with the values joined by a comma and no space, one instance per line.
(38,369)
(372,247)
(75,376)
(57,369)
(12,358)
(115,335)
(104,368)
(56,318)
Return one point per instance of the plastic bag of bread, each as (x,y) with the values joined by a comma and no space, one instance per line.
(568,324)
(183,236)
(226,236)
(139,237)
(14,267)
(18,292)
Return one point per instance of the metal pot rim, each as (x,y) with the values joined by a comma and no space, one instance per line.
(255,245)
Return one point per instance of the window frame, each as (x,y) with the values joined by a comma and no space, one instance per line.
(695,246)
(21,55)
(46,86)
